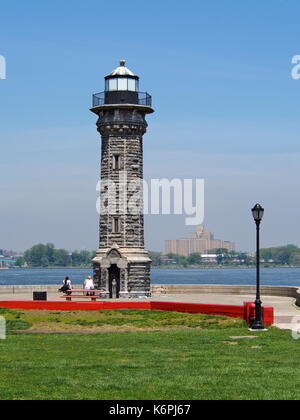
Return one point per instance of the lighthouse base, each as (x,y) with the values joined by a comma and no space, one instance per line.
(122,273)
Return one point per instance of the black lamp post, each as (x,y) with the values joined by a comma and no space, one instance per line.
(258,213)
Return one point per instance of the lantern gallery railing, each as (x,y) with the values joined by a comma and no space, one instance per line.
(141,98)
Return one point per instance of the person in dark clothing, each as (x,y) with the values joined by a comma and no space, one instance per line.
(67,286)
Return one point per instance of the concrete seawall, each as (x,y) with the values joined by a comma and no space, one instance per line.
(175,289)
(287,291)
(281,291)
(15,290)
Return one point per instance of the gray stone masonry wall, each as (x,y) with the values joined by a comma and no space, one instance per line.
(139,278)
(122,131)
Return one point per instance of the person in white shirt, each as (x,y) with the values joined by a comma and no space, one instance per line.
(89,285)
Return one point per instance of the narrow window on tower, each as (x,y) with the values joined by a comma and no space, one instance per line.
(116,225)
(116,162)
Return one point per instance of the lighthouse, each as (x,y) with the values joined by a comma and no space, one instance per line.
(122,265)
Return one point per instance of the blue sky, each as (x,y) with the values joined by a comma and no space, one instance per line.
(227,110)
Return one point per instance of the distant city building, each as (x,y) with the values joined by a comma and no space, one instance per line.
(209,258)
(167,260)
(200,242)
(7,253)
(6,262)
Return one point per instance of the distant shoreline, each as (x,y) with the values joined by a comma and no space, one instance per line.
(231,267)
(164,267)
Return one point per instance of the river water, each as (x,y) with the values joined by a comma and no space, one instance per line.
(269,276)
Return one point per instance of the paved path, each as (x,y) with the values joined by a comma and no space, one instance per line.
(287,315)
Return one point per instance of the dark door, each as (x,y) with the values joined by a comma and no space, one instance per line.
(114,278)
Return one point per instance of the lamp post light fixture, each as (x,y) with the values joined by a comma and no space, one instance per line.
(258,213)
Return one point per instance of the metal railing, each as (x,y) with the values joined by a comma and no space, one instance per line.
(143,98)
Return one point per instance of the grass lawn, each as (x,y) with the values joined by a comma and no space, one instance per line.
(158,355)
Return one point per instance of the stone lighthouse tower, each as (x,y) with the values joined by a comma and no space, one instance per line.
(122,266)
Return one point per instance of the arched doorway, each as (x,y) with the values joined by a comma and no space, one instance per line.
(114,276)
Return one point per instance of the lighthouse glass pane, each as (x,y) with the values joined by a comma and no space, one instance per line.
(113,84)
(122,84)
(132,85)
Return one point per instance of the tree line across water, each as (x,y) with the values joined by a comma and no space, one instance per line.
(288,255)
(48,256)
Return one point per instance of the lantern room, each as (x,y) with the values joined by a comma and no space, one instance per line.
(122,79)
(121,86)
